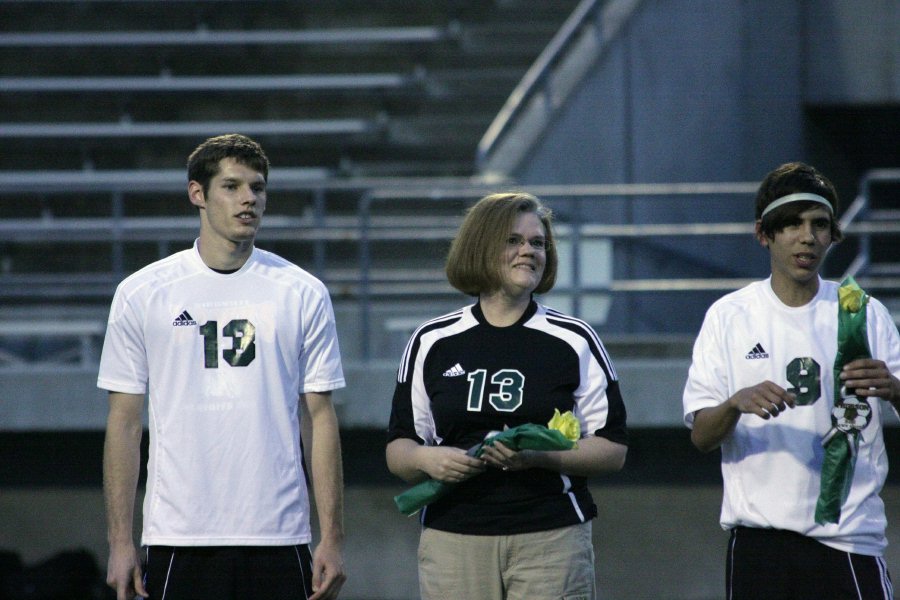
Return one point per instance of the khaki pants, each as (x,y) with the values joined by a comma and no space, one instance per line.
(546,565)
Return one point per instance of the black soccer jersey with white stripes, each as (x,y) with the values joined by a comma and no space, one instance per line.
(461,378)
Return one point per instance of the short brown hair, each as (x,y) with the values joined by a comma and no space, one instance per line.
(792,178)
(203,163)
(473,263)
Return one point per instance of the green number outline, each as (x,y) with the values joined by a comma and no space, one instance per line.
(805,374)
(243,347)
(507,399)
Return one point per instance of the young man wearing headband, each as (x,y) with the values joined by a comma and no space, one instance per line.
(789,378)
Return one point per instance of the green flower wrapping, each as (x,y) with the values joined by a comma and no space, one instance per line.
(529,436)
(850,414)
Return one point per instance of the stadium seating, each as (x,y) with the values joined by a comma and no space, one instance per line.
(98,111)
(364,89)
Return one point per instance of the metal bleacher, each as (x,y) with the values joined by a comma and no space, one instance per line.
(372,116)
(387,243)
(353,88)
(101,102)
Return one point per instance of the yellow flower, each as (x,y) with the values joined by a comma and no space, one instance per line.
(851,297)
(565,423)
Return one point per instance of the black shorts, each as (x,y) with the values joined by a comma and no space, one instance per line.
(228,572)
(785,565)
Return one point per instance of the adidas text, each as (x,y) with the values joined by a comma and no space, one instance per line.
(183,320)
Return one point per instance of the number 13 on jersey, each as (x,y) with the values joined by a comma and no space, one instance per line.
(507,399)
(243,348)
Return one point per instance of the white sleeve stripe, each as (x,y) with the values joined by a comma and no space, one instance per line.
(403,371)
(588,332)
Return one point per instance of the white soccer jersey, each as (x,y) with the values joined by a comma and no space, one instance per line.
(224,358)
(771,468)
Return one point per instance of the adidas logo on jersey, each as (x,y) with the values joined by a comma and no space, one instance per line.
(183,320)
(454,371)
(757,352)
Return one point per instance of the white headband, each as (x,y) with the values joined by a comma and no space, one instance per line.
(802,196)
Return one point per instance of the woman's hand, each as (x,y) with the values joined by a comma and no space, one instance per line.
(502,457)
(593,456)
(414,462)
(448,464)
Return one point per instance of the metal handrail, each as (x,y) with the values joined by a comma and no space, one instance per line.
(113,181)
(207,83)
(365,282)
(130,129)
(859,208)
(206,37)
(110,181)
(575,231)
(535,76)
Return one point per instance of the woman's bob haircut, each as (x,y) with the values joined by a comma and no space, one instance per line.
(475,259)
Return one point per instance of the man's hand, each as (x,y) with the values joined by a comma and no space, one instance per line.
(328,571)
(871,377)
(713,425)
(121,465)
(123,572)
(764,399)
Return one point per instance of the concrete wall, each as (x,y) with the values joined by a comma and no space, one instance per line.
(714,90)
(706,90)
(651,542)
(853,52)
(68,399)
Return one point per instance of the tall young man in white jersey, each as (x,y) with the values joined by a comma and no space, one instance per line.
(232,344)
(797,412)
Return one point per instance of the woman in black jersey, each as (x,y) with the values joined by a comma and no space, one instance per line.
(516,524)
